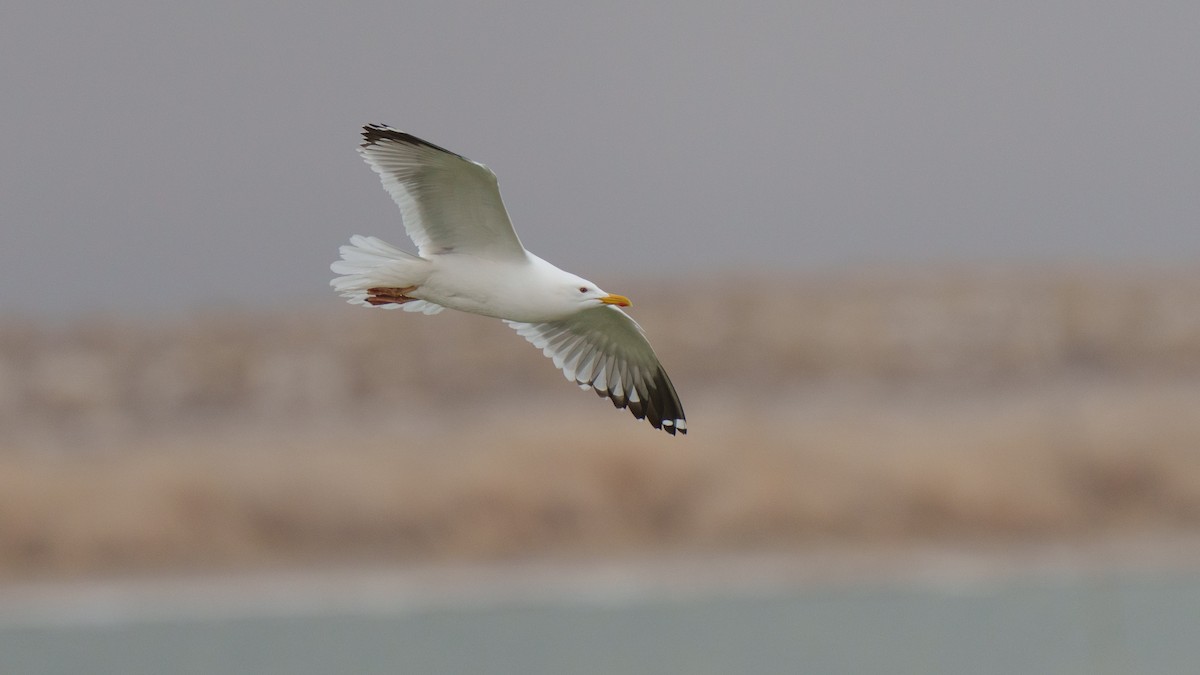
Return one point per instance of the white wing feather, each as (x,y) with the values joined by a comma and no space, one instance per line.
(448,203)
(605,350)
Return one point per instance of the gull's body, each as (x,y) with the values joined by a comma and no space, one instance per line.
(477,285)
(470,259)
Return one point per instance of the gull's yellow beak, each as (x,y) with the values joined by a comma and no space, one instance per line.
(618,300)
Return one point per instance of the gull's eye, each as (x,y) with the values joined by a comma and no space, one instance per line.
(583,289)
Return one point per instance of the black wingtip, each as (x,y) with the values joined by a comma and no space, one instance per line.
(373,134)
(666,411)
(659,405)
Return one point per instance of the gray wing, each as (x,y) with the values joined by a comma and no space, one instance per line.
(605,350)
(449,203)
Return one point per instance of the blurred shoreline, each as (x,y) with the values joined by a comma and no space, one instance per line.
(922,406)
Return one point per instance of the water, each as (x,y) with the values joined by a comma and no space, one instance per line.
(1133,623)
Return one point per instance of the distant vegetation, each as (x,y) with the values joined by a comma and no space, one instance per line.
(878,407)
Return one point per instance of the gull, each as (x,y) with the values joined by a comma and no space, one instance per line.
(470,259)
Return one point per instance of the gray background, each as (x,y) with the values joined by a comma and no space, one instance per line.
(177,155)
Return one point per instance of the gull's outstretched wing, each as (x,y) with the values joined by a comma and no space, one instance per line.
(605,350)
(449,203)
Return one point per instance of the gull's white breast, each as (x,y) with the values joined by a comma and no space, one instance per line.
(526,291)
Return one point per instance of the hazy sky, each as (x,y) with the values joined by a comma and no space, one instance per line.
(157,155)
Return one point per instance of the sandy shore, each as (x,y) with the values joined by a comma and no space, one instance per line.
(878,410)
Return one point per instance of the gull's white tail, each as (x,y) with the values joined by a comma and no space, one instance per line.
(370,262)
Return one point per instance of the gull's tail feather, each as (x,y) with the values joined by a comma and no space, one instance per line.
(370,262)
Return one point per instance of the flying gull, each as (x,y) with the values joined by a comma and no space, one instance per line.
(470,259)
